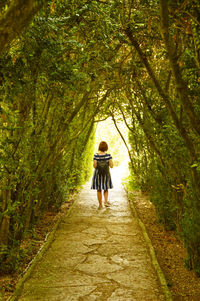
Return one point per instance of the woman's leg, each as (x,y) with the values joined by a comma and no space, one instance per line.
(105,196)
(99,197)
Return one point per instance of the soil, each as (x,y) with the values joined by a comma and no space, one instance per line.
(170,251)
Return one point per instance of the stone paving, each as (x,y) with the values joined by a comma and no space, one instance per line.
(96,255)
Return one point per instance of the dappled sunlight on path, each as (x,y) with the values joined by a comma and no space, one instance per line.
(96,255)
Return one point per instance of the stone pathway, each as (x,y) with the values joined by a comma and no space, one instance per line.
(96,255)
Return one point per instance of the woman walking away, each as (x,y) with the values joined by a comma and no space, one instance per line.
(101,179)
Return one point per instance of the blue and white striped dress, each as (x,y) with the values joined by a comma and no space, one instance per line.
(101,182)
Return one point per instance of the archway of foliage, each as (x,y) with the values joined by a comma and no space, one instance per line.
(81,62)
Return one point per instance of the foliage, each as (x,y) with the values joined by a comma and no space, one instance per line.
(81,62)
(160,107)
(47,131)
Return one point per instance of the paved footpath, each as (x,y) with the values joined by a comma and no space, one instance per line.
(96,255)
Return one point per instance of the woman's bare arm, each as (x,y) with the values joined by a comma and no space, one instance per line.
(95,163)
(111,163)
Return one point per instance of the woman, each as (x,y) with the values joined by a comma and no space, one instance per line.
(101,179)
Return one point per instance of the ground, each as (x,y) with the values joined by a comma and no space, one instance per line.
(95,255)
(183,284)
(31,245)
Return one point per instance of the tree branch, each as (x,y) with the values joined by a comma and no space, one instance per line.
(181,85)
(163,95)
(15,19)
(129,153)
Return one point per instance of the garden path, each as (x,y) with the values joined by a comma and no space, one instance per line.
(96,255)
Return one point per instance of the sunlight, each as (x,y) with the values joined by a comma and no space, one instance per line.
(106,131)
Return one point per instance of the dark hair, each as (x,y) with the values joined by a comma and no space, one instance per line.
(103,146)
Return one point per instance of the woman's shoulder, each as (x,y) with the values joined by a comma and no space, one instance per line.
(106,156)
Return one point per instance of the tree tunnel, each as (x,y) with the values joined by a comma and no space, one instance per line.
(72,64)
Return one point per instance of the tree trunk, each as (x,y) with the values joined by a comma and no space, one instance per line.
(181,86)
(188,142)
(129,153)
(147,135)
(15,19)
(5,221)
(4,230)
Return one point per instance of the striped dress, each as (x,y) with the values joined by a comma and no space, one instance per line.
(101,182)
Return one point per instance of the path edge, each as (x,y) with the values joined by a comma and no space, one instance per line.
(154,260)
(50,237)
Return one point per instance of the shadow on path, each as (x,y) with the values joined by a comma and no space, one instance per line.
(96,255)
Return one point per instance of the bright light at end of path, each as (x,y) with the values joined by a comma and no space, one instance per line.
(106,131)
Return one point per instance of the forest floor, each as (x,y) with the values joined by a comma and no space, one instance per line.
(183,284)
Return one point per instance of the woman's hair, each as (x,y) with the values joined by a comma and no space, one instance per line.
(103,146)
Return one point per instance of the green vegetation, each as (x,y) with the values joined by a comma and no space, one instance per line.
(79,62)
(106,131)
